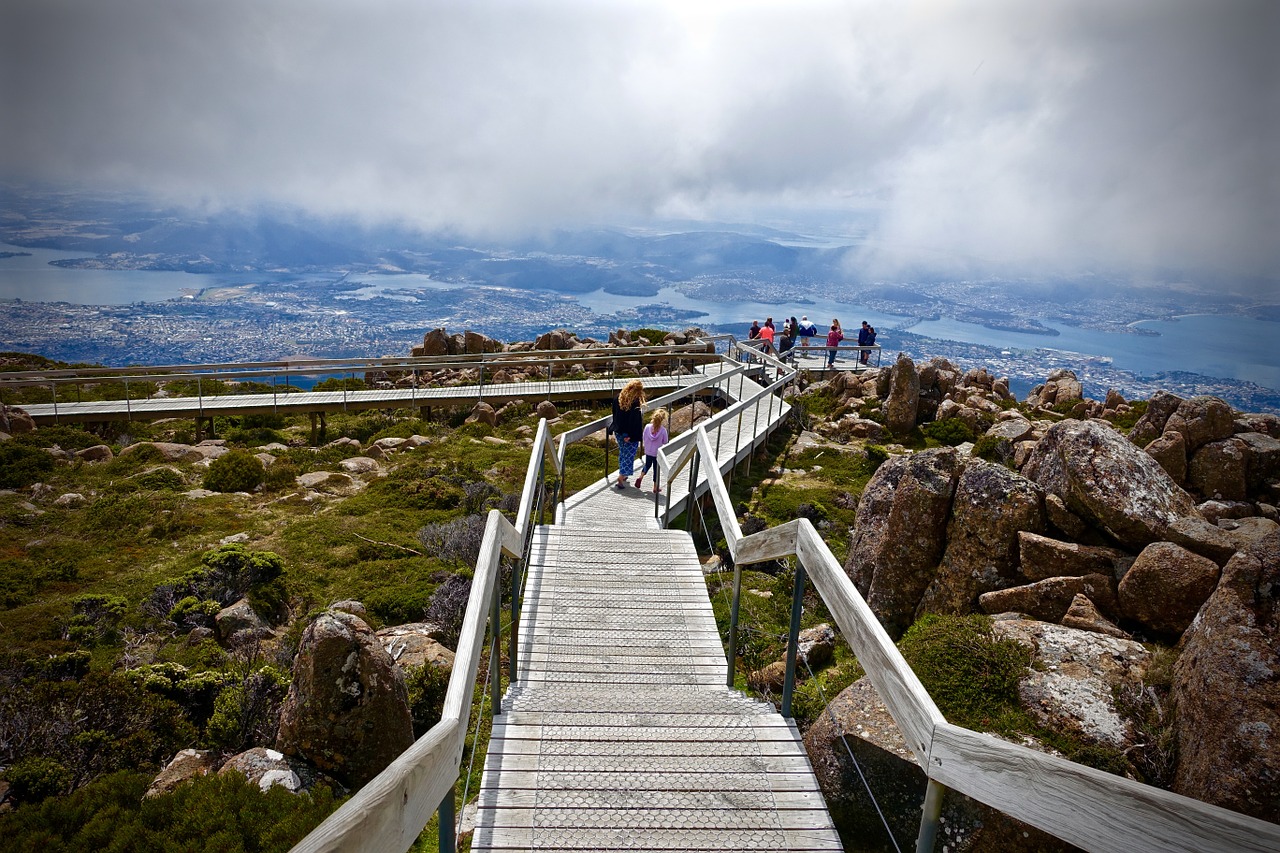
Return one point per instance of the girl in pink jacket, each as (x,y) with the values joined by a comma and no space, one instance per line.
(653,436)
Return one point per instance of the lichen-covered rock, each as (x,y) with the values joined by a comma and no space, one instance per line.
(1104,479)
(1166,586)
(816,646)
(900,533)
(1202,420)
(268,768)
(900,407)
(1050,599)
(1074,678)
(991,505)
(1227,689)
(1263,458)
(15,421)
(1012,430)
(1219,470)
(347,711)
(1170,450)
(187,764)
(1041,557)
(416,644)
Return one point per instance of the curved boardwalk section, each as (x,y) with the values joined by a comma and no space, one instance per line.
(620,734)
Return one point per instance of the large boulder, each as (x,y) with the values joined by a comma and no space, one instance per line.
(1202,420)
(347,711)
(483,413)
(1105,479)
(900,407)
(683,418)
(474,343)
(1041,557)
(1151,425)
(1263,454)
(992,504)
(855,739)
(1227,689)
(415,645)
(1050,599)
(900,532)
(435,342)
(97,453)
(240,623)
(1219,470)
(1165,587)
(1170,450)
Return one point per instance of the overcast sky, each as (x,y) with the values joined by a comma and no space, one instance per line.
(1054,134)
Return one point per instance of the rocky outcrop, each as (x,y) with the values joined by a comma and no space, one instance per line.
(483,413)
(992,504)
(416,644)
(268,768)
(547,409)
(97,453)
(1227,689)
(900,533)
(1084,616)
(347,711)
(1165,587)
(1201,420)
(904,396)
(1170,450)
(1106,480)
(683,418)
(1150,426)
(1220,471)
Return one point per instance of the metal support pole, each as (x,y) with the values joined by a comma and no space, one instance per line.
(733,624)
(495,646)
(448,815)
(693,491)
(128,407)
(929,819)
(512,639)
(53,389)
(793,639)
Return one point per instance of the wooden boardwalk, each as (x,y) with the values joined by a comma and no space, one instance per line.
(620,733)
(336,401)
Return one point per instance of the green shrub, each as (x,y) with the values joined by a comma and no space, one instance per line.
(248,711)
(235,471)
(952,432)
(971,675)
(427,687)
(195,692)
(654,336)
(192,612)
(280,476)
(993,448)
(22,465)
(94,618)
(160,480)
(333,383)
(60,435)
(37,778)
(226,814)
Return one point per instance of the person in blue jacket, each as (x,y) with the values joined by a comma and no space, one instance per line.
(628,425)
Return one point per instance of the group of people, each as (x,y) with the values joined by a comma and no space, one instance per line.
(782,344)
(632,433)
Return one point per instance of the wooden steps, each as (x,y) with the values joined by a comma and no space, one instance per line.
(620,734)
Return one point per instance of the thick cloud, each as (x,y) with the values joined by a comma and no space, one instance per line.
(1064,134)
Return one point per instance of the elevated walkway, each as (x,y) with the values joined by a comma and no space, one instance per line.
(620,734)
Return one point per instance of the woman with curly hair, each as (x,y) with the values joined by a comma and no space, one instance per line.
(628,424)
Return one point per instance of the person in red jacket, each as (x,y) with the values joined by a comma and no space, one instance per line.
(834,337)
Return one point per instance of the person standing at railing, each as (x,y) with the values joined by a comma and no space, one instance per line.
(807,330)
(834,337)
(653,437)
(628,423)
(754,331)
(766,335)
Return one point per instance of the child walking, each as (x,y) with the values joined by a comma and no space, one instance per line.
(653,437)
